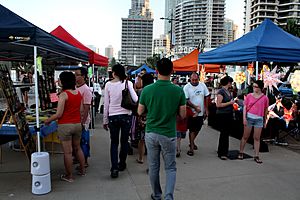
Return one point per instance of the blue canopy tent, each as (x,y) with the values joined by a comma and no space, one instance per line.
(148,70)
(266,43)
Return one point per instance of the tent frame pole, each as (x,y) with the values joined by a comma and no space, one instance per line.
(256,69)
(36,94)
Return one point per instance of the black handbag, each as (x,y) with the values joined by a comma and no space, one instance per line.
(127,101)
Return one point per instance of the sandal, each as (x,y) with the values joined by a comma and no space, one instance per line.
(257,160)
(178,154)
(195,146)
(85,165)
(81,174)
(190,153)
(63,177)
(139,161)
(241,156)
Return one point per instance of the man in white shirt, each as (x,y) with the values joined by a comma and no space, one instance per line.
(197,95)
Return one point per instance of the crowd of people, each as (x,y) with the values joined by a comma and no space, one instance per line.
(165,113)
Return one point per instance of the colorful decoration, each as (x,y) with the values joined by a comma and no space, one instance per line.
(202,74)
(271,79)
(250,68)
(235,106)
(295,81)
(287,116)
(240,77)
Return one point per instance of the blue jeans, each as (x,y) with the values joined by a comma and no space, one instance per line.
(157,144)
(117,123)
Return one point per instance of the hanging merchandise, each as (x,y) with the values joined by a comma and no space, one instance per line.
(240,77)
(39,64)
(295,81)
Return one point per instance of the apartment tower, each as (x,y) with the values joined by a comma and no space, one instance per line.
(200,21)
(137,34)
(279,11)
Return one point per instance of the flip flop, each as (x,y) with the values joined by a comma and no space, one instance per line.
(139,161)
(257,160)
(81,174)
(190,153)
(63,177)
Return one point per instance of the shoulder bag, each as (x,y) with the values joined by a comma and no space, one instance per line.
(127,101)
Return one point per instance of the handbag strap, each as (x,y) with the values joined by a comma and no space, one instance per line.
(126,84)
(253,103)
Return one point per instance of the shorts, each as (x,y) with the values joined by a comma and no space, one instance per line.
(67,132)
(26,89)
(194,124)
(181,134)
(258,123)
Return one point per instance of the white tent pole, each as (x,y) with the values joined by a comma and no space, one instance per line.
(36,94)
(256,69)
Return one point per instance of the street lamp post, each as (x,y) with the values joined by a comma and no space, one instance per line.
(171,19)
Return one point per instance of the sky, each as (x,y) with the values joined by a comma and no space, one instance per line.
(97,22)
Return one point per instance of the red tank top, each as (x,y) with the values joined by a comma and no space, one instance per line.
(71,114)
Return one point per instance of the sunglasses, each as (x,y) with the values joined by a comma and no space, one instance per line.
(255,86)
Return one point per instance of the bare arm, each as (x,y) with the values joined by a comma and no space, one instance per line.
(182,111)
(60,108)
(197,108)
(219,103)
(85,112)
(141,109)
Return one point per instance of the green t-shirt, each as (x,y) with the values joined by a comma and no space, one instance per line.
(162,101)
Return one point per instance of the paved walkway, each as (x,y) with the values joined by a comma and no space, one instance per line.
(203,176)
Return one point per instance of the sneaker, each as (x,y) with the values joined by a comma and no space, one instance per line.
(122,167)
(114,173)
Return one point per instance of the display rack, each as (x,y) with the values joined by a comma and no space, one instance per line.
(46,86)
(16,111)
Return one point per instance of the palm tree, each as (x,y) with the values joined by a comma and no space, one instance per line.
(151,61)
(292,27)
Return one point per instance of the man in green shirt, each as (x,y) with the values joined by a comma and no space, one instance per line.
(162,101)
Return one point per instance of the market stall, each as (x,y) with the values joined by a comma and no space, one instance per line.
(20,40)
(144,66)
(266,43)
(189,63)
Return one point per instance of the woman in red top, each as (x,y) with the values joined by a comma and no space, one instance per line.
(69,123)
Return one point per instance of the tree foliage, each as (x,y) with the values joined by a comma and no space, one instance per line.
(112,62)
(151,61)
(292,27)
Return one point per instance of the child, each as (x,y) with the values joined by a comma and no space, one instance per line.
(181,128)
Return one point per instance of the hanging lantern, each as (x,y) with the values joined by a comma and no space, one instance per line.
(295,81)
(240,77)
(271,78)
(250,69)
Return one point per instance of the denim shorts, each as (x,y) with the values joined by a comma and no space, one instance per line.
(181,134)
(258,123)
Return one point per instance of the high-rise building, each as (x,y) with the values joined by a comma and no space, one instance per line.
(201,20)
(109,52)
(137,34)
(279,11)
(161,45)
(228,31)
